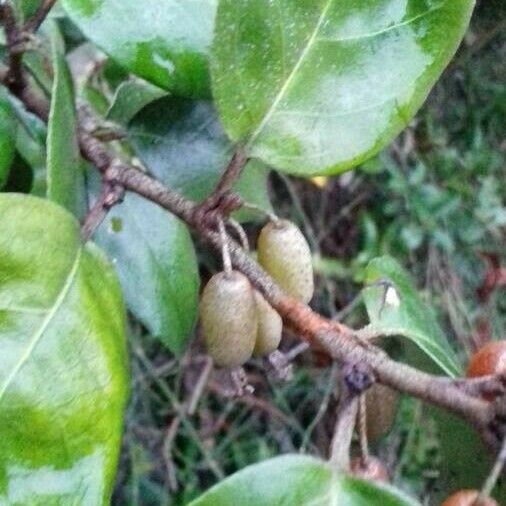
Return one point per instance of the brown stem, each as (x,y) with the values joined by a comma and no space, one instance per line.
(362,430)
(347,410)
(110,195)
(339,341)
(33,24)
(15,77)
(227,179)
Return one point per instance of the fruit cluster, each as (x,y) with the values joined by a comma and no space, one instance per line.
(237,321)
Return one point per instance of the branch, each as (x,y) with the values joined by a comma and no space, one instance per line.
(33,24)
(15,78)
(226,181)
(110,195)
(347,411)
(338,340)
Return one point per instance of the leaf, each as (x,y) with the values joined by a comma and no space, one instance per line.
(130,97)
(166,43)
(65,178)
(157,134)
(31,146)
(27,7)
(155,259)
(318,86)
(63,372)
(298,480)
(465,465)
(7,137)
(399,310)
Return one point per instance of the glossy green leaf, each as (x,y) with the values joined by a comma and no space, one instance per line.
(166,43)
(63,372)
(298,480)
(65,177)
(7,137)
(182,143)
(395,308)
(131,97)
(155,259)
(31,147)
(317,86)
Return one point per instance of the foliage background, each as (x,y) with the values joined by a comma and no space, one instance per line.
(436,201)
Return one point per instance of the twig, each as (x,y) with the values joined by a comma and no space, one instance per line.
(15,77)
(362,429)
(347,410)
(241,234)
(494,385)
(227,179)
(200,386)
(225,254)
(253,402)
(168,442)
(491,481)
(330,387)
(110,195)
(338,340)
(33,24)
(355,379)
(191,407)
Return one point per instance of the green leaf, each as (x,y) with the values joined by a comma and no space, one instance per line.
(155,259)
(298,480)
(7,137)
(399,310)
(65,177)
(63,366)
(465,465)
(27,7)
(157,134)
(318,86)
(130,97)
(31,146)
(166,43)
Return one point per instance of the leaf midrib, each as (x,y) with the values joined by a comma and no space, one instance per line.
(309,45)
(34,340)
(292,75)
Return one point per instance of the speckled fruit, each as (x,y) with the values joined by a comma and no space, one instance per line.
(373,469)
(381,408)
(490,359)
(228,314)
(468,498)
(284,253)
(270,327)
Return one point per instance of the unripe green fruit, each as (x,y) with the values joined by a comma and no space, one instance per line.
(270,327)
(284,253)
(228,313)
(381,408)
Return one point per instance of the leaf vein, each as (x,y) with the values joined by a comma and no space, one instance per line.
(291,77)
(407,22)
(45,324)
